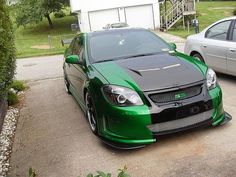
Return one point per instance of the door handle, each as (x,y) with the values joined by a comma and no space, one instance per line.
(205,46)
(232,50)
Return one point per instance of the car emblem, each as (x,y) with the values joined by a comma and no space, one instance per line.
(180,95)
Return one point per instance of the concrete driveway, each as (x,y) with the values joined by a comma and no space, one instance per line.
(54,138)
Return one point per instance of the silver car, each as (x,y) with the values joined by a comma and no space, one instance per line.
(216,46)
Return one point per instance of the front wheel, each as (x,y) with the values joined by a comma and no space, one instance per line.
(90,113)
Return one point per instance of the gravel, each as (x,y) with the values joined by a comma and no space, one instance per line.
(7,138)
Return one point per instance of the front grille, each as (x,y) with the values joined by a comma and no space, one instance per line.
(176,113)
(176,95)
(166,127)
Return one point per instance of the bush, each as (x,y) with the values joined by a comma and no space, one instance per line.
(122,173)
(234,12)
(59,14)
(12,98)
(7,50)
(18,85)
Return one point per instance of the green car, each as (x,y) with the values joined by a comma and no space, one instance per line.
(134,87)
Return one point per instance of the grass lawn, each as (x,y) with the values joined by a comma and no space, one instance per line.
(208,13)
(33,40)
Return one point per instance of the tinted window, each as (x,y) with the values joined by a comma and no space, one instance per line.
(81,54)
(77,46)
(234,33)
(70,48)
(121,44)
(219,31)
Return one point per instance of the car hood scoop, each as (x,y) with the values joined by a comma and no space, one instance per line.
(161,71)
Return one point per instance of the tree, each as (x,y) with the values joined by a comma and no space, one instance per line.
(33,11)
(7,50)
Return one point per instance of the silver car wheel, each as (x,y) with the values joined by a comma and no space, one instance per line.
(90,113)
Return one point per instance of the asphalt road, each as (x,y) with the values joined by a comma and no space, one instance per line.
(54,138)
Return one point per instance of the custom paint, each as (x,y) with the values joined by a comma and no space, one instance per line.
(130,126)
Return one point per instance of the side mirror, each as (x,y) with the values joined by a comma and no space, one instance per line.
(73,59)
(173,46)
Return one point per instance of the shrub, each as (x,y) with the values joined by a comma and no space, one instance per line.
(59,14)
(234,12)
(12,98)
(18,85)
(122,173)
(7,50)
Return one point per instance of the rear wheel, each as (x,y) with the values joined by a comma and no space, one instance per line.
(198,57)
(90,113)
(67,85)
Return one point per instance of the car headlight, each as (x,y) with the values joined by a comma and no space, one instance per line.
(121,96)
(211,79)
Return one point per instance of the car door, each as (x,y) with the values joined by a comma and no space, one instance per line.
(67,66)
(231,52)
(214,46)
(80,77)
(78,70)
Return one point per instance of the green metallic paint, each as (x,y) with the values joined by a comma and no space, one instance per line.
(76,97)
(72,59)
(218,114)
(128,124)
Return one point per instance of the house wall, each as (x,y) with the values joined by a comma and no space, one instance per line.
(85,7)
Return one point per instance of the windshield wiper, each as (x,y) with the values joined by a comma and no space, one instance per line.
(141,55)
(100,61)
(127,57)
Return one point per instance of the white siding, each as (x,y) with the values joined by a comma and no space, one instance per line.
(93,14)
(99,19)
(140,16)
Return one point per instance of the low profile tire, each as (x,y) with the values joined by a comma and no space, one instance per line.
(198,57)
(90,113)
(67,86)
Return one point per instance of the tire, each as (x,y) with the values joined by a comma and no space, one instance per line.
(91,113)
(198,57)
(67,86)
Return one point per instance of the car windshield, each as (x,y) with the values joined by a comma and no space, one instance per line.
(125,44)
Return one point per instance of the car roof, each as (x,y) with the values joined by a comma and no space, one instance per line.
(115,30)
(228,18)
(211,25)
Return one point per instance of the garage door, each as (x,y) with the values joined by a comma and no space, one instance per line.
(140,16)
(99,19)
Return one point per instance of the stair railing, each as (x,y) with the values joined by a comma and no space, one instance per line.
(172,14)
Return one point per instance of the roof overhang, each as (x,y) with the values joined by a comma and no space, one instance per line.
(93,5)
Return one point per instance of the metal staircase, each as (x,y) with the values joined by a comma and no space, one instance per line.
(178,10)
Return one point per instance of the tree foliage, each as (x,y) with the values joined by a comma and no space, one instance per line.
(7,50)
(33,11)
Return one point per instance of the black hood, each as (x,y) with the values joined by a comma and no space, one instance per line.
(161,71)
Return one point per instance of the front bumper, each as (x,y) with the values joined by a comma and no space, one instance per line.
(132,127)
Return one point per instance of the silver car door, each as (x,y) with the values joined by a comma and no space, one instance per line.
(214,46)
(231,52)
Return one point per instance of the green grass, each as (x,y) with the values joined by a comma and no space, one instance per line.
(207,13)
(37,35)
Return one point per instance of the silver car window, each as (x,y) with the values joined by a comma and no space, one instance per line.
(219,31)
(234,33)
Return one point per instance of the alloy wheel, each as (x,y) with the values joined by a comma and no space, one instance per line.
(90,113)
